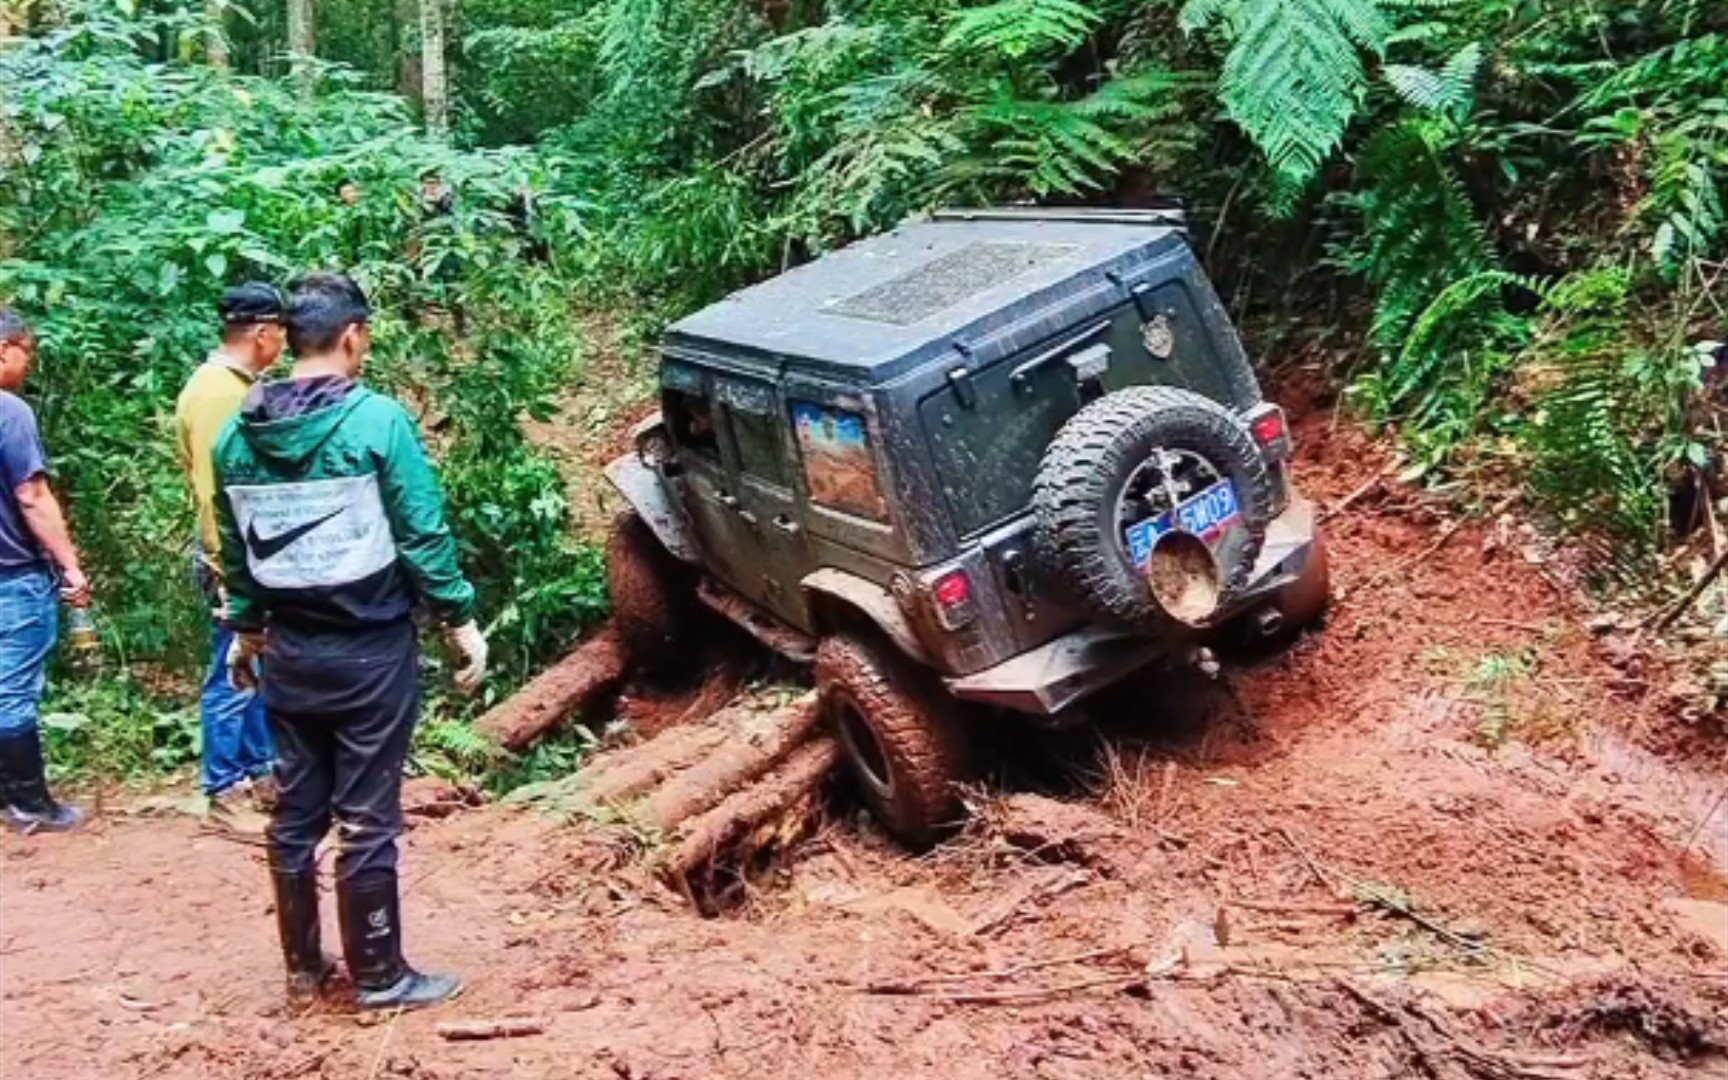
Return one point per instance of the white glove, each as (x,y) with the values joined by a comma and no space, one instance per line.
(243,656)
(469,645)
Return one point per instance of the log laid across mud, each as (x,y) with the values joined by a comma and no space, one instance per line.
(778,809)
(596,667)
(757,741)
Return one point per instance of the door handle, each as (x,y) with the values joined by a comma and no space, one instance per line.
(785,524)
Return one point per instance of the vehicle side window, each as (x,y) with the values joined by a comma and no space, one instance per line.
(759,448)
(691,417)
(839,462)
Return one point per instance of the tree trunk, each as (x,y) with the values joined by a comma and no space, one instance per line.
(405,31)
(435,75)
(215,39)
(302,43)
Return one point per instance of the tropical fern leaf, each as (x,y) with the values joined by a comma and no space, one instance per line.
(1421,231)
(1019,28)
(1294,76)
(1051,146)
(1450,91)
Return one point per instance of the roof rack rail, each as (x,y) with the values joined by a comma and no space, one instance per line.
(1169,217)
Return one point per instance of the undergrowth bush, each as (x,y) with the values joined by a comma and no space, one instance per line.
(131,193)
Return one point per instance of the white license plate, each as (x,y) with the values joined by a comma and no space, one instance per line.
(1207,515)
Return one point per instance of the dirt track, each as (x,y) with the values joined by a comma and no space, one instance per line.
(1451,745)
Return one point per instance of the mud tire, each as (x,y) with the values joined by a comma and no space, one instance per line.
(900,736)
(652,595)
(1095,455)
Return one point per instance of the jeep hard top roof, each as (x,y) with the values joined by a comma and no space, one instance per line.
(880,307)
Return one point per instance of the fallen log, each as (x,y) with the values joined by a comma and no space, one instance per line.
(540,707)
(770,814)
(621,775)
(757,740)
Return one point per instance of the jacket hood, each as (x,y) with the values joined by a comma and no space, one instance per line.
(283,423)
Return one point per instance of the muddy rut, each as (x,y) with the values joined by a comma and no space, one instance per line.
(1446,837)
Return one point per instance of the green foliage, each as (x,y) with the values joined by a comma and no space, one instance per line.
(119,227)
(1021,27)
(1293,75)
(110,725)
(1449,90)
(1609,422)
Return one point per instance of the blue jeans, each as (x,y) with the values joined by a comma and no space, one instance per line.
(29,625)
(237,742)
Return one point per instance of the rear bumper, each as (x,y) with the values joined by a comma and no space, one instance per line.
(1056,675)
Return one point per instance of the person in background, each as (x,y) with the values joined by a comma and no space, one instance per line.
(238,754)
(333,531)
(351,223)
(33,541)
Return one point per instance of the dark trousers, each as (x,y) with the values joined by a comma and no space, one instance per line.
(342,708)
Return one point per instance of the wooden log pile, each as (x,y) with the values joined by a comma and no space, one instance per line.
(713,797)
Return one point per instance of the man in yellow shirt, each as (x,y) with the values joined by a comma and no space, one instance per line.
(238,754)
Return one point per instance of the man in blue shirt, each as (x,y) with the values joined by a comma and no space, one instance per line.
(33,541)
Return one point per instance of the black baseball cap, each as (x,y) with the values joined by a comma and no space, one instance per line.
(250,304)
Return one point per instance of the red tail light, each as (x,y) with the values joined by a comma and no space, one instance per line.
(1270,428)
(953,595)
(953,590)
(1272,431)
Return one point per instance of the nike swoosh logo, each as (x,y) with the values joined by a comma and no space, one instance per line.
(265,549)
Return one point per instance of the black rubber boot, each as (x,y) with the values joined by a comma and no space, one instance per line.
(29,806)
(302,938)
(370,914)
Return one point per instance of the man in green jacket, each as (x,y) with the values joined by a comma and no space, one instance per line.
(333,531)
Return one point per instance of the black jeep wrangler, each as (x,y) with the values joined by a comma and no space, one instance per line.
(996,458)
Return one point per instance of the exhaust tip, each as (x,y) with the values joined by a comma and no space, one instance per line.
(1269,621)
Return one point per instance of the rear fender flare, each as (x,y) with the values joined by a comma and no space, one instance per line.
(871,601)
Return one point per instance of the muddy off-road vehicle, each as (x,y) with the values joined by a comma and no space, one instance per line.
(995,458)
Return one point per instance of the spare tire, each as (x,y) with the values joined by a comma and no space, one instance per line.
(1131,457)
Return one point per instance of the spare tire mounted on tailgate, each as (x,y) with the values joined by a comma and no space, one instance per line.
(1131,470)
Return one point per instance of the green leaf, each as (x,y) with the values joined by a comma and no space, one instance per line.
(225,221)
(65,721)
(217,264)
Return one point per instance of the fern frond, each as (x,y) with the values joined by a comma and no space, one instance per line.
(1293,77)
(1450,91)
(1017,28)
(1050,146)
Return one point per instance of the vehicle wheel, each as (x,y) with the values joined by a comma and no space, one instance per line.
(651,593)
(1125,459)
(900,735)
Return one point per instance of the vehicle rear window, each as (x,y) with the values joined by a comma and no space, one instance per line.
(839,462)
